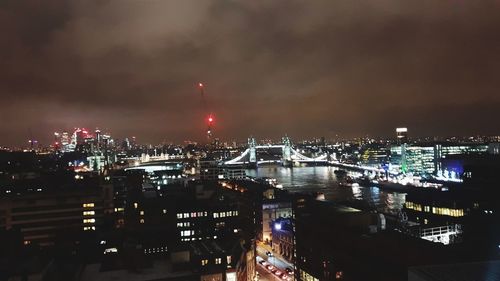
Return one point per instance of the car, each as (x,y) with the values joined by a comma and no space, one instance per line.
(278,273)
(269,254)
(289,270)
(284,276)
(271,268)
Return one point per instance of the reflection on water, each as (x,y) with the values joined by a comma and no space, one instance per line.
(323,179)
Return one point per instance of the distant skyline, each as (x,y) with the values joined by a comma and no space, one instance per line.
(302,68)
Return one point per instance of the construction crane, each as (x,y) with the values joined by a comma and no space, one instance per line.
(210,117)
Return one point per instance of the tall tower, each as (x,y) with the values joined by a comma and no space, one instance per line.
(210,122)
(287,151)
(402,135)
(402,139)
(253,153)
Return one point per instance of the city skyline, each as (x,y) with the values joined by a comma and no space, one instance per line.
(54,139)
(305,69)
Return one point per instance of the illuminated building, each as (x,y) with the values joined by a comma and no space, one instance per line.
(402,135)
(272,211)
(426,159)
(374,155)
(45,213)
(413,159)
(66,142)
(213,170)
(283,238)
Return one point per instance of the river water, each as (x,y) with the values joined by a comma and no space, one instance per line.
(324,180)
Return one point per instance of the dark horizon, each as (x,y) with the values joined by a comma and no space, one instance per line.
(286,67)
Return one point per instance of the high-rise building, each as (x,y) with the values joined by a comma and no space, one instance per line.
(43,216)
(402,135)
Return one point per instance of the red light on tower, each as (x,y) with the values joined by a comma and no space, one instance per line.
(200,85)
(210,119)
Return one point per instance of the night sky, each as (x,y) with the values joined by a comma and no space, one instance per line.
(305,68)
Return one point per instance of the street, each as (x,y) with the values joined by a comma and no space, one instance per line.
(279,263)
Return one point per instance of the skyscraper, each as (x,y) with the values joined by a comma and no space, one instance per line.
(402,135)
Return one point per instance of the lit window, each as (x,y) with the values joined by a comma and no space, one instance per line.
(136,205)
(88,205)
(164,211)
(141,221)
(179,215)
(88,213)
(218,261)
(216,215)
(228,259)
(142,213)
(88,220)
(186,215)
(204,262)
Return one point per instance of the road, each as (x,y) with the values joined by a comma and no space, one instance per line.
(278,262)
(265,275)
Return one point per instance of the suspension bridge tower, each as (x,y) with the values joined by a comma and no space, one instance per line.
(252,145)
(287,151)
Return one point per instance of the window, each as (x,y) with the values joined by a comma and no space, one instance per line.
(164,211)
(216,215)
(204,262)
(179,215)
(88,213)
(141,220)
(228,259)
(218,261)
(136,205)
(142,213)
(186,215)
(88,220)
(88,205)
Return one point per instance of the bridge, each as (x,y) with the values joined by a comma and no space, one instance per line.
(289,155)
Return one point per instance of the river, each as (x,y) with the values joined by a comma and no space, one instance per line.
(324,180)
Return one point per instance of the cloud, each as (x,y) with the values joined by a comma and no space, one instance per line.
(298,67)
